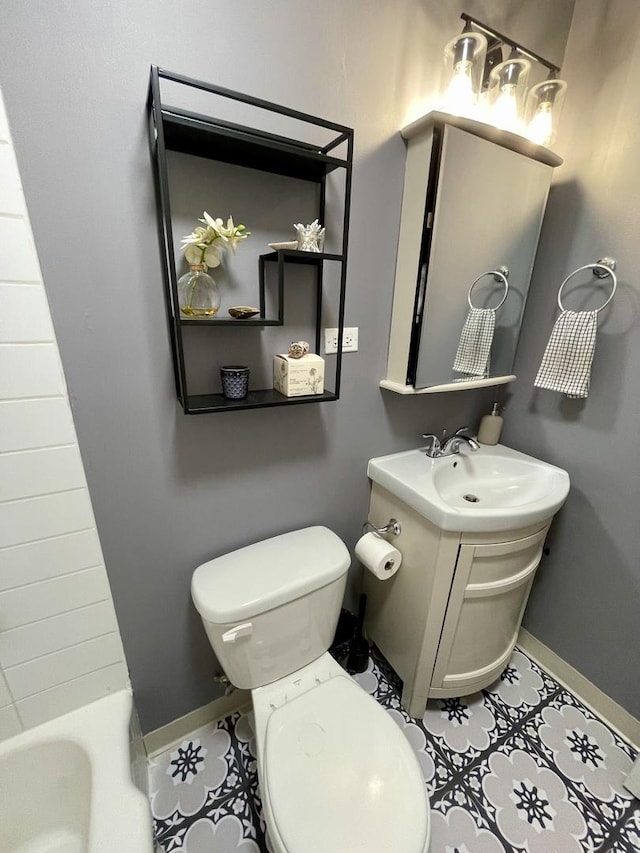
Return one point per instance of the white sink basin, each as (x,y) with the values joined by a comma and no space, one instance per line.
(494,488)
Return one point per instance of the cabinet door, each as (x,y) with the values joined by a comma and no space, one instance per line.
(488,212)
(488,596)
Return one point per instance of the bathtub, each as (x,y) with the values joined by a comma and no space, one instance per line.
(66,786)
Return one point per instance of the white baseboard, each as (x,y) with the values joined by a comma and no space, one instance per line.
(175,732)
(604,706)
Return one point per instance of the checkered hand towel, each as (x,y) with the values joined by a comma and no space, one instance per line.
(474,349)
(566,363)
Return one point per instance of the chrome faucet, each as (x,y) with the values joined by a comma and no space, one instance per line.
(449,446)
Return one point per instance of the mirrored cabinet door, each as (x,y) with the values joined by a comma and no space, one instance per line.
(471,205)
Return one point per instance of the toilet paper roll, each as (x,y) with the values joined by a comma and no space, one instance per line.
(377,555)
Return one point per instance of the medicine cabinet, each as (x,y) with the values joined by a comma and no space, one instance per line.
(474,199)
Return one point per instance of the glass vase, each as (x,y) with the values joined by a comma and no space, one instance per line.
(198,293)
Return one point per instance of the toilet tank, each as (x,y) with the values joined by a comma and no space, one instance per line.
(271,608)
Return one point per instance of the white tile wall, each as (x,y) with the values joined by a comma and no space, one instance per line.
(59,642)
(43,673)
(35,639)
(28,424)
(49,558)
(51,515)
(18,260)
(30,370)
(30,473)
(10,723)
(49,598)
(24,313)
(12,197)
(5,696)
(72,694)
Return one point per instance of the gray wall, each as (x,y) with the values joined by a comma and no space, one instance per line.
(585,602)
(169,491)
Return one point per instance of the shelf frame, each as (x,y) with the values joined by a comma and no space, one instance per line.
(198,404)
(172,128)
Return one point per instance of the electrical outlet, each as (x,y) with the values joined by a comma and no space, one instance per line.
(349,340)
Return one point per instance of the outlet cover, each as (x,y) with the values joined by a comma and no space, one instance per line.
(349,340)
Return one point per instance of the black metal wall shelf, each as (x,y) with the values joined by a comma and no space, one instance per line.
(294,256)
(192,133)
(198,404)
(176,129)
(231,321)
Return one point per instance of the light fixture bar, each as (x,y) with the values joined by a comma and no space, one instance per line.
(506,40)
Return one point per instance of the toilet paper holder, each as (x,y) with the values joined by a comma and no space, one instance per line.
(391,528)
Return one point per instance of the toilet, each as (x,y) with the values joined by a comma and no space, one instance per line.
(335,771)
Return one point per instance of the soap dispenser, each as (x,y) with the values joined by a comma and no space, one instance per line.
(491,426)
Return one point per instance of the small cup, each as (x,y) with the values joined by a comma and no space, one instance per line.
(235,381)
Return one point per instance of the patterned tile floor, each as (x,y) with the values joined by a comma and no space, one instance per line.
(522,766)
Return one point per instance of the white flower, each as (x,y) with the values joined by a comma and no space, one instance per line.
(233,234)
(197,236)
(206,256)
(204,244)
(215,225)
(212,256)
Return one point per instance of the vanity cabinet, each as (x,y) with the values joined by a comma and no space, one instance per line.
(474,198)
(448,620)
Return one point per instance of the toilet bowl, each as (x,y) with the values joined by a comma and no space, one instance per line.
(335,772)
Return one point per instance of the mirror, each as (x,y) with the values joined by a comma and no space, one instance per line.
(474,199)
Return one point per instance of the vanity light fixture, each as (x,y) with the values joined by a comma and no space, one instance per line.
(464,59)
(544,105)
(507,93)
(479,83)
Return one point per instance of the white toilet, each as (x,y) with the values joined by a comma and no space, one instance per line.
(336,773)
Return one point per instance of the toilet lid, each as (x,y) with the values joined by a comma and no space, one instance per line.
(341,776)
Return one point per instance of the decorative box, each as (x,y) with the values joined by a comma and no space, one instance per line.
(297,377)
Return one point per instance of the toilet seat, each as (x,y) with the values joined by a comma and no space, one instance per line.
(341,777)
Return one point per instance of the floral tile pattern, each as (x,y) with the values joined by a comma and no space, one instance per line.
(464,728)
(522,685)
(522,767)
(530,803)
(629,836)
(183,779)
(586,752)
(457,822)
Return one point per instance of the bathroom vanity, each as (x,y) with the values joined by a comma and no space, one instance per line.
(448,620)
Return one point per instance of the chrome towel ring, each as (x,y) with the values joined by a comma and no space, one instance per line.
(603,268)
(500,276)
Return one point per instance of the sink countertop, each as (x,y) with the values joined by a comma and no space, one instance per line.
(495,488)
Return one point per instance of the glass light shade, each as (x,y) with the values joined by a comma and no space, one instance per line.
(507,91)
(544,106)
(464,58)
